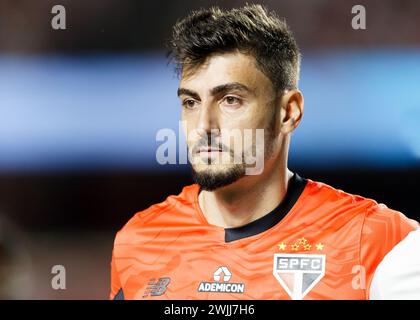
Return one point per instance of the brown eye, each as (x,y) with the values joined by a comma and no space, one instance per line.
(189,104)
(232,100)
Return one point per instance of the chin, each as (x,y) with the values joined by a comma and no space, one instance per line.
(217,176)
(216,169)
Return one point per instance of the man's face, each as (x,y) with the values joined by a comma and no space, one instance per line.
(221,99)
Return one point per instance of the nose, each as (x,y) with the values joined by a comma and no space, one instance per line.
(207,121)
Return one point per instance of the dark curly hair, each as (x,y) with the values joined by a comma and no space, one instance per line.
(249,29)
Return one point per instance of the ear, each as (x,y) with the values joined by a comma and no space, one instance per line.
(291,110)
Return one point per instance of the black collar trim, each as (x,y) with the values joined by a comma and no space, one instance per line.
(296,186)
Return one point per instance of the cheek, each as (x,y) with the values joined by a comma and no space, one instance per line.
(251,120)
(189,126)
(246,127)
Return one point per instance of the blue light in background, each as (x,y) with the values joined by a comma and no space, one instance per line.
(362,109)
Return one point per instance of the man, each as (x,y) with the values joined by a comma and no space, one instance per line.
(239,233)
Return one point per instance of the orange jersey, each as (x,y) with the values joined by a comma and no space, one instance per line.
(319,243)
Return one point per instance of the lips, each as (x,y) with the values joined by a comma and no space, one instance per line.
(209,150)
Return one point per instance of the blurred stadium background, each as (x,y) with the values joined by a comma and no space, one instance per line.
(80,109)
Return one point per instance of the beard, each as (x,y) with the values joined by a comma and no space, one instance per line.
(211,180)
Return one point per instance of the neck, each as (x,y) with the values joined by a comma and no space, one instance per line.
(247,199)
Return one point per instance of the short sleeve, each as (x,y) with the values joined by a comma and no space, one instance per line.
(398,275)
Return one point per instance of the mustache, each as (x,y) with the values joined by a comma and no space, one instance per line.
(210,142)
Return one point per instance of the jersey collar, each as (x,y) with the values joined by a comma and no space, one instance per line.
(295,188)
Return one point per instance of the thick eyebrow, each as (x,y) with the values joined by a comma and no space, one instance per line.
(188,92)
(223,88)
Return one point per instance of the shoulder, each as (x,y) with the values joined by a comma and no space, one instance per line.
(379,223)
(155,214)
(383,228)
(380,228)
(337,200)
(385,225)
(376,215)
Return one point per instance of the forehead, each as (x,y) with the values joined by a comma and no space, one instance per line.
(224,68)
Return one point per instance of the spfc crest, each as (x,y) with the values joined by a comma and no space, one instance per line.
(298,273)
